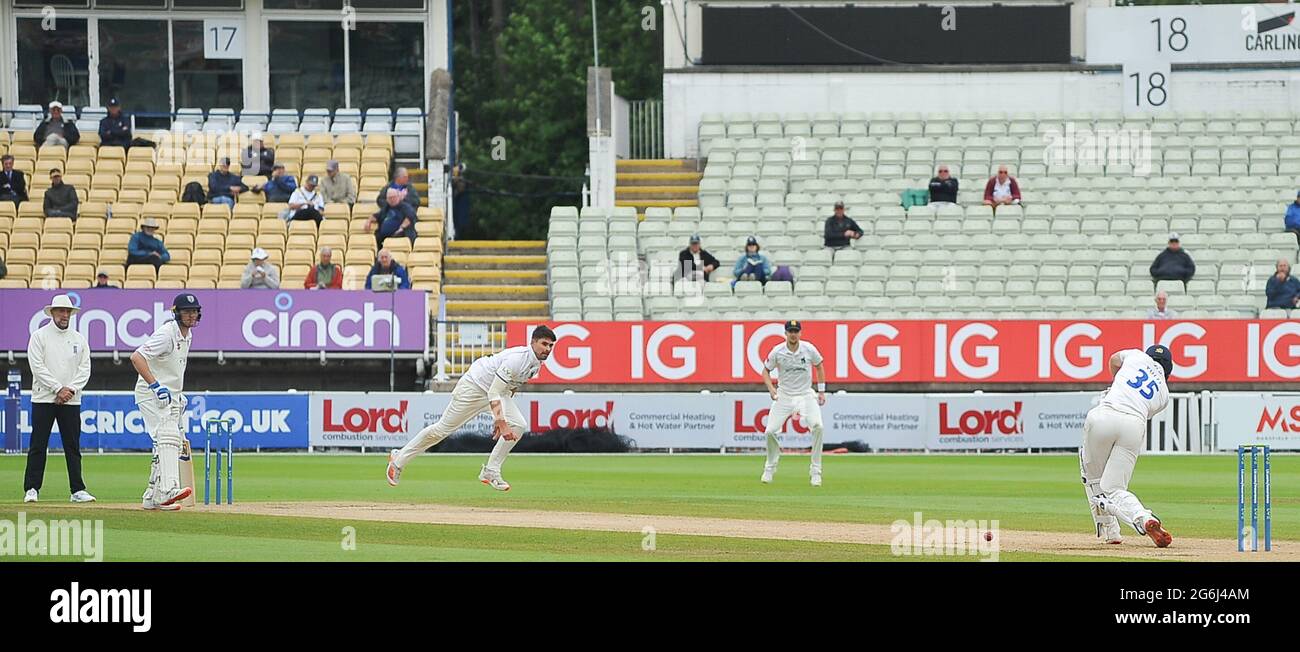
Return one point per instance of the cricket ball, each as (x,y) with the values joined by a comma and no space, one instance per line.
(988,536)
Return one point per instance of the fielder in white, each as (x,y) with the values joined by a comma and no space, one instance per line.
(160,361)
(1113,435)
(489,385)
(794,361)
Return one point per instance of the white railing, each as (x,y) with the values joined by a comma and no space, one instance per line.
(458,344)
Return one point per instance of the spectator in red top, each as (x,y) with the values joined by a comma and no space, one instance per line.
(324,275)
(1001,189)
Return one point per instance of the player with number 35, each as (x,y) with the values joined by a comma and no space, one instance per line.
(1113,436)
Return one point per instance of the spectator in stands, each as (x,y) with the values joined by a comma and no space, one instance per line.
(1292,214)
(224,186)
(840,228)
(397,217)
(306,203)
(752,265)
(324,275)
(4,271)
(60,198)
(1283,289)
(1001,189)
(258,160)
(13,184)
(146,248)
(260,274)
(694,261)
(384,264)
(115,128)
(402,183)
(101,281)
(56,131)
(1162,309)
(943,187)
(1173,264)
(280,187)
(337,187)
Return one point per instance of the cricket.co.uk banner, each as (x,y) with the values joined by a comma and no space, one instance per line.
(1257,418)
(111,420)
(263,321)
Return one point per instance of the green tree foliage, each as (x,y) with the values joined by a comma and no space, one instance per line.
(521,82)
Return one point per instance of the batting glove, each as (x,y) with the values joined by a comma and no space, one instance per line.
(164,394)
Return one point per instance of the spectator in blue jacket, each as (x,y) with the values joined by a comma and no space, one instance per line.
(279,188)
(115,128)
(1293,217)
(146,248)
(384,264)
(752,265)
(223,185)
(1283,289)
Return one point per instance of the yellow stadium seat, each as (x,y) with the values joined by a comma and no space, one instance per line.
(86,241)
(204,271)
(358,256)
(337,212)
(12,282)
(29,225)
(209,243)
(167,284)
(247,210)
(213,228)
(162,196)
(170,170)
(131,196)
(135,154)
(53,255)
(116,272)
(173,272)
(31,209)
(300,257)
(284,141)
(201,284)
(93,224)
(301,241)
(358,226)
(8,209)
(187,210)
(71,284)
(182,226)
(114,241)
(157,209)
(79,166)
(79,272)
(59,226)
(121,224)
(165,183)
(271,241)
(234,268)
(373,168)
(241,241)
(335,241)
(138,283)
(141,272)
(216,211)
(242,226)
(177,241)
(349,140)
(139,168)
(117,168)
(354,276)
(46,276)
(83,256)
(52,153)
(272,226)
(180,257)
(273,209)
(137,182)
(379,141)
(228,284)
(112,153)
(99,196)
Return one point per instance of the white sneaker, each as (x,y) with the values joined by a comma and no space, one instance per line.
(82,496)
(176,496)
(493,479)
(155,507)
(394,471)
(817,479)
(30,496)
(767,475)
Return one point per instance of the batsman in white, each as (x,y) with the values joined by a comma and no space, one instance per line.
(794,361)
(160,361)
(489,385)
(1113,435)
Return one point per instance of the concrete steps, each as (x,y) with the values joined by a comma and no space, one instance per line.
(667,183)
(495,280)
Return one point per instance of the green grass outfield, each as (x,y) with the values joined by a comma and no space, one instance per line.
(1195,496)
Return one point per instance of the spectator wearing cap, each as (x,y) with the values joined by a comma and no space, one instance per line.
(1174,263)
(146,247)
(101,281)
(397,217)
(60,198)
(1283,289)
(840,228)
(1292,214)
(280,187)
(260,274)
(224,186)
(943,187)
(258,160)
(55,130)
(306,203)
(13,183)
(694,261)
(401,183)
(1162,309)
(115,128)
(337,187)
(752,265)
(1001,189)
(324,275)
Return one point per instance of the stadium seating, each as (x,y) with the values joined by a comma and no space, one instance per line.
(1079,246)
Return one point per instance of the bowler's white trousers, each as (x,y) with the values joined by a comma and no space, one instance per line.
(810,413)
(1111,443)
(467,402)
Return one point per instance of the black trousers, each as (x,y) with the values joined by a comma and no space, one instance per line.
(308,213)
(145,260)
(43,417)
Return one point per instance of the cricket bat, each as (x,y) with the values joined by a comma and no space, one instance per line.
(187,474)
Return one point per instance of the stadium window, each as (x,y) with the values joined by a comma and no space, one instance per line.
(133,64)
(386,59)
(131,4)
(52,3)
(335,5)
(208,4)
(297,81)
(201,81)
(53,64)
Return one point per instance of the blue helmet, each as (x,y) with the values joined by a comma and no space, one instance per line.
(186,301)
(1161,355)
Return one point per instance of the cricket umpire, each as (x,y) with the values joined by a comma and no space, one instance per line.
(60,362)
